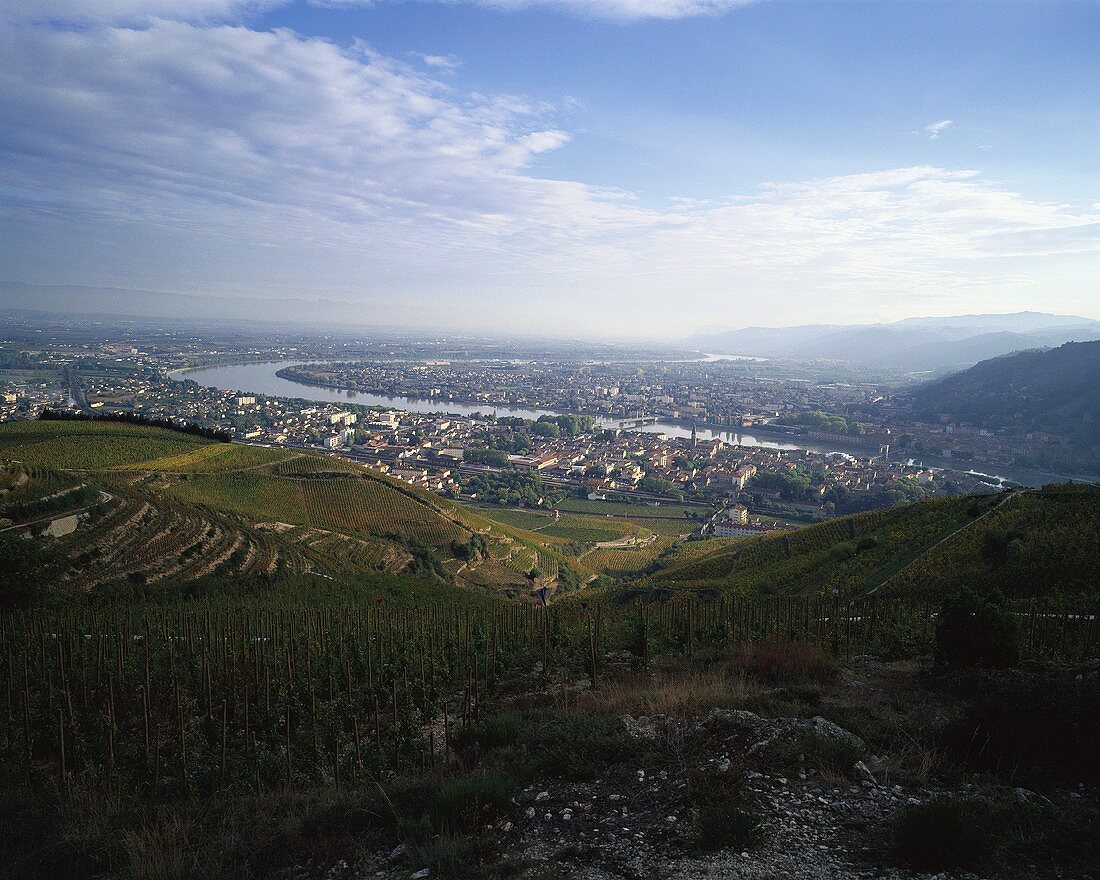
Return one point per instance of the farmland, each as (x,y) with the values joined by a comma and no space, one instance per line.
(247,634)
(184,507)
(90,445)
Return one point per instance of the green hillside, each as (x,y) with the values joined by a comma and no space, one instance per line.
(1056,391)
(1025,543)
(127,504)
(175,507)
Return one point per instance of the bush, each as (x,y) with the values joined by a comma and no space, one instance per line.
(723,815)
(830,755)
(1042,729)
(580,747)
(976,631)
(465,804)
(25,577)
(997,836)
(492,733)
(946,832)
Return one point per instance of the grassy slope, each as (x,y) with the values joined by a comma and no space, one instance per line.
(341,517)
(345,516)
(1030,544)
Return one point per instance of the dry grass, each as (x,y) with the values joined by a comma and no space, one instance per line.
(159,851)
(673,690)
(787,663)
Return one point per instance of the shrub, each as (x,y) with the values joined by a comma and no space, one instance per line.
(580,747)
(843,550)
(996,836)
(444,856)
(976,631)
(946,832)
(1042,729)
(492,733)
(465,804)
(723,815)
(830,755)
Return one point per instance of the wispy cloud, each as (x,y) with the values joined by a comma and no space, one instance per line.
(615,10)
(935,129)
(141,11)
(625,10)
(273,161)
(131,11)
(440,63)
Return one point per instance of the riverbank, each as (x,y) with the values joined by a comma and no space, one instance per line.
(264,378)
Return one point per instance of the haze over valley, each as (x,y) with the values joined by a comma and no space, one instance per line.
(543,439)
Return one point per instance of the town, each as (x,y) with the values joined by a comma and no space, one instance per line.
(634,432)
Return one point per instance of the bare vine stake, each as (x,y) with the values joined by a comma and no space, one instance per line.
(62,778)
(225,733)
(286,734)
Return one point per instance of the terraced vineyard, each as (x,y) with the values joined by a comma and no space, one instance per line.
(1012,541)
(1035,543)
(628,561)
(577,535)
(182,507)
(216,457)
(176,507)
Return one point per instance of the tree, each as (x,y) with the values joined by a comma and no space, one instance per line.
(976,631)
(25,571)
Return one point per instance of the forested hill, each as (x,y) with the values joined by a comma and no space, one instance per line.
(1056,391)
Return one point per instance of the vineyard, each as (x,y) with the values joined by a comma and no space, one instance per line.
(1035,543)
(847,555)
(233,625)
(215,457)
(180,702)
(628,561)
(183,508)
(90,445)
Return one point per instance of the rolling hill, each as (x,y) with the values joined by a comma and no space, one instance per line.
(1055,391)
(177,507)
(1024,543)
(147,507)
(913,344)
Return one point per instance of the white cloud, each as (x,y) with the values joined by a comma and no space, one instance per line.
(935,129)
(225,158)
(441,63)
(620,10)
(625,9)
(144,11)
(130,11)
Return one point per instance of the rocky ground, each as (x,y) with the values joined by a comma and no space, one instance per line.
(825,802)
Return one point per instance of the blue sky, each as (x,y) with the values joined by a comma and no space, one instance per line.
(627,166)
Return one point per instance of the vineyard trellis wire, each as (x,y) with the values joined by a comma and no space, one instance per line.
(170,701)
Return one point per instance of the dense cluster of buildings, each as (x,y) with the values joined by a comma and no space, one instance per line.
(434,451)
(721,392)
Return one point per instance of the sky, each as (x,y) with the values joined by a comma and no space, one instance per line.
(574,167)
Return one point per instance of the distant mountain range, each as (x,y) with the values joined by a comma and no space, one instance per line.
(74,300)
(1056,391)
(912,344)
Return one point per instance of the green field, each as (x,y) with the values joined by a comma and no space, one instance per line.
(186,507)
(216,457)
(91,445)
(626,509)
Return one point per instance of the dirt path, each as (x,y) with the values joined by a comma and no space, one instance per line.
(104,497)
(924,550)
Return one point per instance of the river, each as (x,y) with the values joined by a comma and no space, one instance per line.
(261,379)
